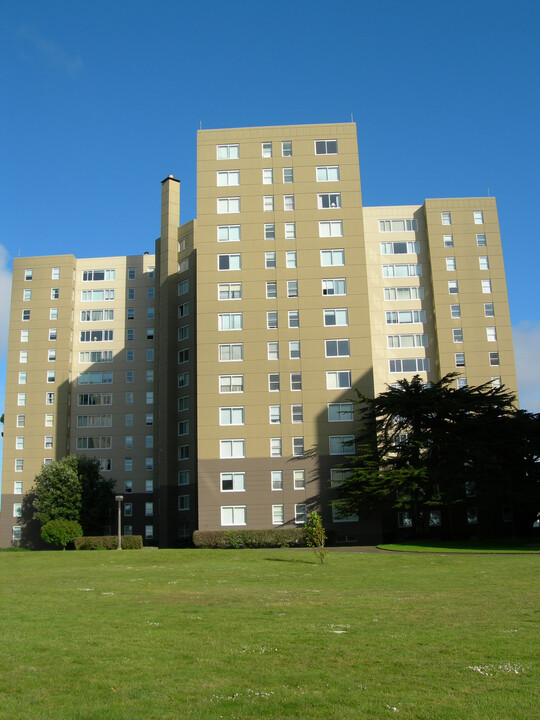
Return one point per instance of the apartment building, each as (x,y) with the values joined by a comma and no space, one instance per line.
(223,370)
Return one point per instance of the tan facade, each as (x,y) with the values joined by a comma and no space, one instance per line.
(268,310)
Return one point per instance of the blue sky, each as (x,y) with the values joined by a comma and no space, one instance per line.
(101,100)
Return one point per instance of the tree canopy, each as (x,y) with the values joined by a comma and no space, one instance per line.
(423,447)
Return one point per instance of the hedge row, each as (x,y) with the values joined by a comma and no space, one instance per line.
(274,537)
(108,542)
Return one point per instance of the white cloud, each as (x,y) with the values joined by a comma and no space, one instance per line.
(527,349)
(50,51)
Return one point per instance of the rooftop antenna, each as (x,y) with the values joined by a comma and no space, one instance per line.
(200,124)
(489,193)
(352,118)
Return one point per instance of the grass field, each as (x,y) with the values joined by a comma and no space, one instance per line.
(256,634)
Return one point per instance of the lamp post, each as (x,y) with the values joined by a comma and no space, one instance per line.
(119,499)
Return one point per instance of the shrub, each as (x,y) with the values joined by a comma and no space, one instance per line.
(60,532)
(108,542)
(273,537)
(316,536)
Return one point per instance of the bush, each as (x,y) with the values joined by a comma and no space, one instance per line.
(108,542)
(273,537)
(60,532)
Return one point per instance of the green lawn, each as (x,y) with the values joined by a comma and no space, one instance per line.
(467,546)
(255,634)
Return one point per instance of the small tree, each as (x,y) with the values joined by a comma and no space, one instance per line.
(57,491)
(316,536)
(60,532)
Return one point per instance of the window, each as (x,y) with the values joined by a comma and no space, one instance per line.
(268,203)
(272,319)
(183,287)
(341,444)
(130,334)
(183,357)
(448,241)
(275,447)
(286,148)
(230,321)
(269,231)
(51,376)
(96,295)
(337,348)
(51,355)
(296,381)
(129,376)
(183,477)
(183,334)
(297,413)
(406,365)
(183,428)
(27,295)
(328,201)
(405,225)
(332,257)
(183,310)
(336,317)
(21,420)
(270,260)
(25,335)
(340,412)
(491,334)
(131,293)
(48,442)
(338,379)
(19,442)
(231,383)
(233,482)
(328,174)
(150,355)
(273,351)
(489,310)
(22,378)
(230,262)
(290,230)
(478,217)
(325,147)
(407,341)
(453,288)
(472,516)
(300,513)
(19,464)
(294,349)
(450,263)
(231,416)
(446,218)
(21,398)
(28,274)
(183,380)
(299,479)
(402,270)
(496,382)
(149,463)
(288,175)
(228,152)
(150,314)
(271,290)
(455,311)
(483,262)
(232,448)
(17,510)
(290,259)
(400,248)
(233,515)
(333,228)
(25,315)
(486,286)
(276,479)
(298,446)
(183,452)
(23,356)
(460,359)
(228,205)
(292,288)
(288,202)
(267,149)
(53,334)
(404,293)
(17,487)
(273,382)
(277,515)
(232,352)
(481,240)
(405,316)
(494,358)
(228,177)
(230,291)
(149,532)
(149,417)
(294,318)
(274,414)
(268,176)
(149,398)
(457,335)
(404,520)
